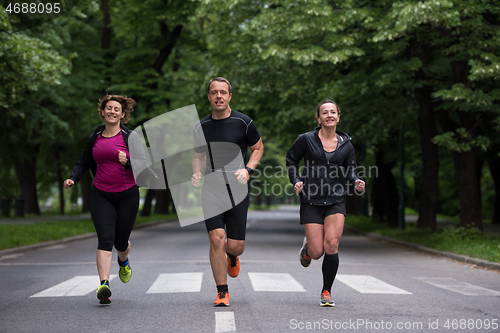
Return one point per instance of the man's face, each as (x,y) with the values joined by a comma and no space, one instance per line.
(219,96)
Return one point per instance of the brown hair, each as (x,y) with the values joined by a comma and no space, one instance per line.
(126,103)
(219,79)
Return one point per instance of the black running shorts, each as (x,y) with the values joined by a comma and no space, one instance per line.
(234,221)
(316,214)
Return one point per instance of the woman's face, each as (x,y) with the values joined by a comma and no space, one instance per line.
(328,115)
(112,113)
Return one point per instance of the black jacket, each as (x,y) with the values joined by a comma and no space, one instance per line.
(324,180)
(87,161)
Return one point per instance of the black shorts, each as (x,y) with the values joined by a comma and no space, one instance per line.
(316,214)
(234,221)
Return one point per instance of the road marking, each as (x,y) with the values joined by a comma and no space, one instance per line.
(459,286)
(12,256)
(274,282)
(367,284)
(224,322)
(77,286)
(176,283)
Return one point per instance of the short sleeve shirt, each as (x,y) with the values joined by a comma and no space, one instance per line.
(238,129)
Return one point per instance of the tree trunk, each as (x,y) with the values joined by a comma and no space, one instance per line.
(468,191)
(170,39)
(148,203)
(26,176)
(494,163)
(385,192)
(106,30)
(465,162)
(162,202)
(60,181)
(429,189)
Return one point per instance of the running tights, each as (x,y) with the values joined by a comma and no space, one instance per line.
(113,214)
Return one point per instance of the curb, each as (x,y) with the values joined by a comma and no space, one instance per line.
(454,256)
(27,248)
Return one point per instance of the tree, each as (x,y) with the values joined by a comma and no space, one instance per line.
(452,36)
(27,63)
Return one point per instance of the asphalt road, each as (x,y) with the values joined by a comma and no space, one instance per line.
(380,287)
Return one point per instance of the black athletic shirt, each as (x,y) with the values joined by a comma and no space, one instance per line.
(238,129)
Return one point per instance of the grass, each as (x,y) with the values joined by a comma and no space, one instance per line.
(455,239)
(456,219)
(14,235)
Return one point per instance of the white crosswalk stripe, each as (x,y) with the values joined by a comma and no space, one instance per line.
(367,284)
(277,282)
(274,282)
(176,283)
(459,286)
(77,286)
(225,322)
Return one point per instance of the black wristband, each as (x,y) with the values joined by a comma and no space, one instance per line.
(250,170)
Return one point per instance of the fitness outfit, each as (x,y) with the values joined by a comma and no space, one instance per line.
(114,198)
(240,132)
(324,175)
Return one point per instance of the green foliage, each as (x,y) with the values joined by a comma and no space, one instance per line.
(25,63)
(461,141)
(282,58)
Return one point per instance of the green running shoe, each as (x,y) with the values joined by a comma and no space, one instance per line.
(103,294)
(125,272)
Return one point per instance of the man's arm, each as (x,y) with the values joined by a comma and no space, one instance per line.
(198,164)
(255,157)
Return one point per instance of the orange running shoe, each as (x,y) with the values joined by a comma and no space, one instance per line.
(325,299)
(222,299)
(233,265)
(305,260)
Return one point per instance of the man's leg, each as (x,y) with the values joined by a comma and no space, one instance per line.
(236,225)
(235,247)
(218,256)
(218,262)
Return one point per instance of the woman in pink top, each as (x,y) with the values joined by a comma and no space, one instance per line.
(114,199)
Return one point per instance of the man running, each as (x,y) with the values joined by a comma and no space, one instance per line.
(224,125)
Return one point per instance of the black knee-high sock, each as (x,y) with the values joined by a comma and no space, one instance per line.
(330,267)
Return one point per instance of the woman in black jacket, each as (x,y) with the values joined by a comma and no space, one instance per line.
(114,199)
(329,166)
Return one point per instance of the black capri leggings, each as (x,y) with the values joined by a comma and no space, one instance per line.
(113,214)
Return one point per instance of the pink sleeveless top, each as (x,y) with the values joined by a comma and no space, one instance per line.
(110,175)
